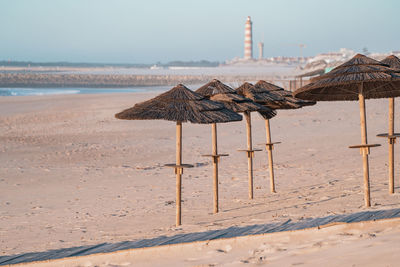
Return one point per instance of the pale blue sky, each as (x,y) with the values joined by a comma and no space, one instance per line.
(147,31)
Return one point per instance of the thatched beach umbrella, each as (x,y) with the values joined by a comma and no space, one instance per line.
(262,96)
(288,102)
(393,62)
(274,97)
(181,105)
(359,78)
(222,93)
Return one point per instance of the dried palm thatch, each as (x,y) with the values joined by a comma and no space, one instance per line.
(359,78)
(217,91)
(214,87)
(180,104)
(289,102)
(393,62)
(222,93)
(259,95)
(343,82)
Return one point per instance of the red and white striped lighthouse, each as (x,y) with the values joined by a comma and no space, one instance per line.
(248,40)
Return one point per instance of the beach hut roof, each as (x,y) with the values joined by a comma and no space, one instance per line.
(217,91)
(180,104)
(343,82)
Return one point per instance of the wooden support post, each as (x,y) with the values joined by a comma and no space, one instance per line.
(365,151)
(249,154)
(270,159)
(178,172)
(391,146)
(215,166)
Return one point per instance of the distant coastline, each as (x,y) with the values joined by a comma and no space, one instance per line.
(58,80)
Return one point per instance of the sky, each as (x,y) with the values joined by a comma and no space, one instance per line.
(150,31)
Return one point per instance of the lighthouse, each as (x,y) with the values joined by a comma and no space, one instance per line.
(248,40)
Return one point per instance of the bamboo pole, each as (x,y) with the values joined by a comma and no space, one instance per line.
(365,150)
(178,171)
(270,159)
(215,166)
(391,145)
(249,153)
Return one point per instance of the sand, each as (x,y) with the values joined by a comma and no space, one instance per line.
(374,244)
(71,174)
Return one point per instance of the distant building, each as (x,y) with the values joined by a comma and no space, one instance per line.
(260,50)
(342,55)
(248,40)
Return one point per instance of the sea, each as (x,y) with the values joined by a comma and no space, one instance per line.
(270,70)
(71,91)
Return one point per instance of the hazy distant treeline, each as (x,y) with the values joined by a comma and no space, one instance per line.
(55,80)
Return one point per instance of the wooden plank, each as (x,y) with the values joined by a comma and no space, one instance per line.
(365,146)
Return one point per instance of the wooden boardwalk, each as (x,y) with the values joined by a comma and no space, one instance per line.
(201,236)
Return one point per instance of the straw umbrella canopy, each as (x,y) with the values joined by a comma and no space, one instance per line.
(222,93)
(275,97)
(180,105)
(262,96)
(289,102)
(393,62)
(357,79)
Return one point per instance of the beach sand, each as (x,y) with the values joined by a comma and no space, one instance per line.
(373,244)
(71,174)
